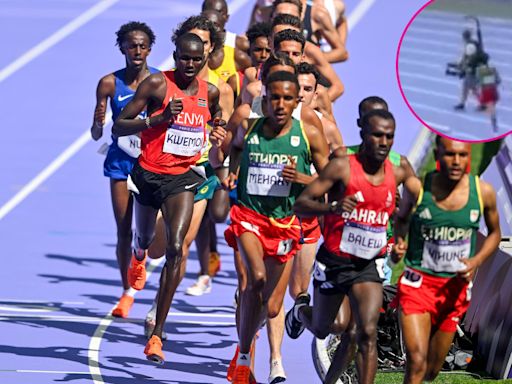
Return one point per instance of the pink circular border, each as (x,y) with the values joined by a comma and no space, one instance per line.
(407,102)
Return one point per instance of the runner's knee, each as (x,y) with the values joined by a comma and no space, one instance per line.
(416,361)
(257,282)
(144,240)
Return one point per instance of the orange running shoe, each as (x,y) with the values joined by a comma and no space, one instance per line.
(123,307)
(214,263)
(242,375)
(137,272)
(232,365)
(153,350)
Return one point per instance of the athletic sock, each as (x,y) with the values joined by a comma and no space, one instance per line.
(244,359)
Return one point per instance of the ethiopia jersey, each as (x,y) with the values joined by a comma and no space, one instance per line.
(362,232)
(123,94)
(261,186)
(439,238)
(171,148)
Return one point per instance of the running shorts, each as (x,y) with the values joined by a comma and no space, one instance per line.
(278,237)
(152,189)
(118,164)
(311,232)
(489,94)
(332,278)
(445,298)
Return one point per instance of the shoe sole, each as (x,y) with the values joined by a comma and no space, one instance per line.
(288,326)
(198,294)
(155,359)
(278,379)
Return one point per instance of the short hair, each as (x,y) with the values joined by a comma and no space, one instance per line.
(289,35)
(284,19)
(298,3)
(370,100)
(308,69)
(466,34)
(283,76)
(134,26)
(258,30)
(209,5)
(382,113)
(188,38)
(276,58)
(200,22)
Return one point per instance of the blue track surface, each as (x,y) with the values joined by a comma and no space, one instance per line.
(434,39)
(60,277)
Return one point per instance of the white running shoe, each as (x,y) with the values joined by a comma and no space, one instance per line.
(277,374)
(201,286)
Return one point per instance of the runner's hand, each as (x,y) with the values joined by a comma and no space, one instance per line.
(468,272)
(229,182)
(96,130)
(289,172)
(398,251)
(218,133)
(174,108)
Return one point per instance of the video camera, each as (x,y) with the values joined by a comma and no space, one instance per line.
(454,69)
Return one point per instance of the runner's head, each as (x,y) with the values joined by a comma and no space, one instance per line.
(205,29)
(282,21)
(291,43)
(219,6)
(377,133)
(135,41)
(189,55)
(453,157)
(368,104)
(282,90)
(287,7)
(308,77)
(277,62)
(466,35)
(259,42)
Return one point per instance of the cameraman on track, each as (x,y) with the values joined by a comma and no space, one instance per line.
(473,56)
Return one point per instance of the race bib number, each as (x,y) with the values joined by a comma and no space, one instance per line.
(267,180)
(362,240)
(444,256)
(411,278)
(130,145)
(183,141)
(284,247)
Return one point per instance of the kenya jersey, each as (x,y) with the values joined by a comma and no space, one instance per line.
(171,148)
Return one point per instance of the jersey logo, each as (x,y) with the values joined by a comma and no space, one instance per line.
(201,102)
(425,214)
(473,215)
(122,98)
(254,140)
(389,200)
(295,141)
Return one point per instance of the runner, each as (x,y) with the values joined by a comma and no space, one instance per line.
(179,105)
(353,237)
(270,236)
(233,55)
(135,41)
(435,288)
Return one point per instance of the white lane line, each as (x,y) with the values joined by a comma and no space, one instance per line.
(24,301)
(95,319)
(25,309)
(357,14)
(40,371)
(50,41)
(445,56)
(456,47)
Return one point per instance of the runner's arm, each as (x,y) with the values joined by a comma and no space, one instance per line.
(492,222)
(337,53)
(307,204)
(151,93)
(318,59)
(106,88)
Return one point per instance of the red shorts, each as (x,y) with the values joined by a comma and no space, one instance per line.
(310,230)
(279,237)
(445,298)
(489,94)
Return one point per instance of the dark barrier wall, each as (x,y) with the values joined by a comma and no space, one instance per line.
(490,312)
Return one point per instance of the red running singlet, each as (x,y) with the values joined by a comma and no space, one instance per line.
(171,148)
(362,233)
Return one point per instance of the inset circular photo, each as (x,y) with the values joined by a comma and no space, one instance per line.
(454,68)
